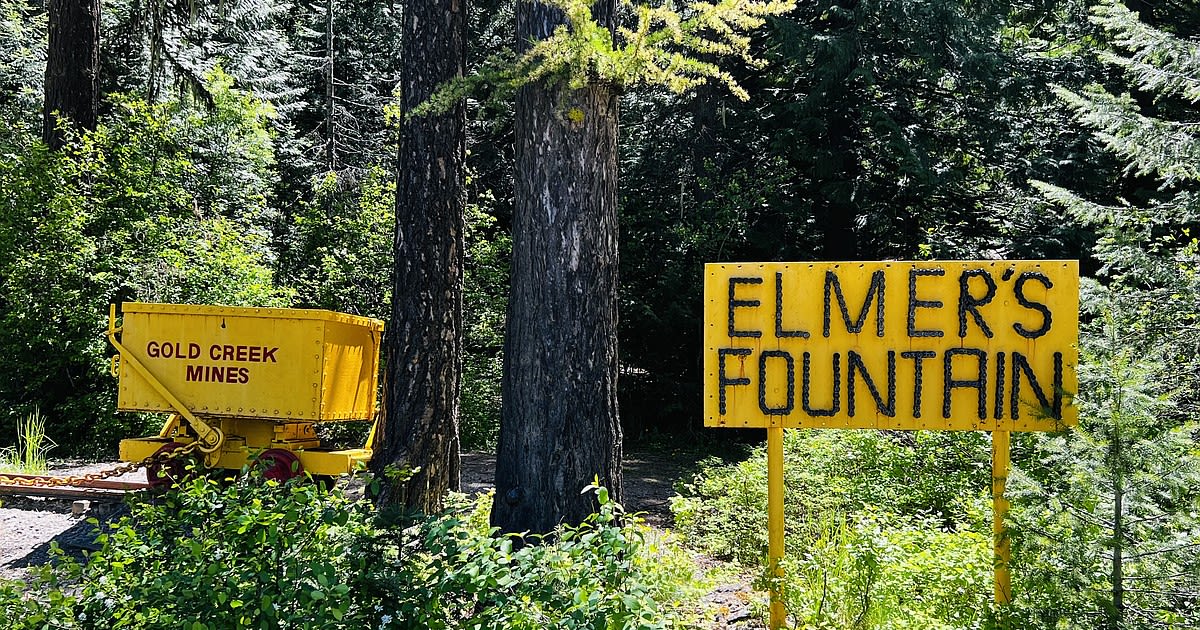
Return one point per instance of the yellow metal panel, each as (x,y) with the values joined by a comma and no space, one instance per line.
(1002,577)
(976,345)
(775,524)
(249,362)
(350,371)
(334,462)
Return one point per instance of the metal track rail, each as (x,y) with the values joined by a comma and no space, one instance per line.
(91,489)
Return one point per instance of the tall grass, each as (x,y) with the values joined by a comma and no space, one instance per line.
(28,456)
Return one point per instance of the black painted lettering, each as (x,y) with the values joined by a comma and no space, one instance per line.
(979,383)
(1019,290)
(968,303)
(854,364)
(762,383)
(194,373)
(724,381)
(998,412)
(1051,408)
(874,291)
(193,351)
(806,387)
(915,303)
(152,350)
(779,331)
(918,356)
(269,353)
(735,303)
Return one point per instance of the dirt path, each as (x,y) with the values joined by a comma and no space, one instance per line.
(29,525)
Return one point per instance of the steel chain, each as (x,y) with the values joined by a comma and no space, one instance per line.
(160,457)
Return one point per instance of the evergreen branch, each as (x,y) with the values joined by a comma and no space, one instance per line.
(1162,551)
(1161,63)
(1151,146)
(662,49)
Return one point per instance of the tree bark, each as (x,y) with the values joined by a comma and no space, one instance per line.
(560,428)
(72,64)
(424,358)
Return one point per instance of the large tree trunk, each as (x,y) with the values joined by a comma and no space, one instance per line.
(424,358)
(72,63)
(560,427)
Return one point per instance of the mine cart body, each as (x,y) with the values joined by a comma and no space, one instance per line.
(247,380)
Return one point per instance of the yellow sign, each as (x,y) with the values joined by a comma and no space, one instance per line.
(986,345)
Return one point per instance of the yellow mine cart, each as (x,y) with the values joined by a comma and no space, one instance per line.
(247,384)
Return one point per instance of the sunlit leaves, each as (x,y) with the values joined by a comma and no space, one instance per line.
(676,49)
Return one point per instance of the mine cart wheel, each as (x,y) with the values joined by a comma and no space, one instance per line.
(162,475)
(279,464)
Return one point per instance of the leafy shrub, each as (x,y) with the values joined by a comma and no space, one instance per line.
(255,554)
(162,202)
(874,570)
(833,472)
(884,530)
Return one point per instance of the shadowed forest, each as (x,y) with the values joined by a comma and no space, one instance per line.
(542,187)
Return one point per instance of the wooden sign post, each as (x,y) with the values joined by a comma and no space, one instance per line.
(936,345)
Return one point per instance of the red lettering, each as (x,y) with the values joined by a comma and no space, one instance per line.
(152,349)
(194,373)
(269,354)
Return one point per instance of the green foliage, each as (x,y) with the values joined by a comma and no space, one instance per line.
(341,245)
(667,47)
(161,203)
(833,472)
(485,300)
(875,570)
(884,530)
(28,456)
(257,554)
(601,574)
(1124,484)
(1106,516)
(22,62)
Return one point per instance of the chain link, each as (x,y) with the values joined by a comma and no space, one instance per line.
(159,457)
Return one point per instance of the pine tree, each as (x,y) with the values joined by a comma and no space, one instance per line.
(425,331)
(1123,491)
(72,67)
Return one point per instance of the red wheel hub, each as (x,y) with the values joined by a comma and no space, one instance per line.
(279,464)
(165,474)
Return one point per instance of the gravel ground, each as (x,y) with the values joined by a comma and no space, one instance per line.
(28,525)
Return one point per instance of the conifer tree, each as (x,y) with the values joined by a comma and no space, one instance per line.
(424,348)
(1123,491)
(72,66)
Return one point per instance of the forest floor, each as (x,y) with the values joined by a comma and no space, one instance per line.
(29,525)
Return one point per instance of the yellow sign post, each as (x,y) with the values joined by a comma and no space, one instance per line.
(945,345)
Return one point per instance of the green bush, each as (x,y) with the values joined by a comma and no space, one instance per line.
(264,555)
(874,570)
(884,529)
(163,202)
(723,511)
